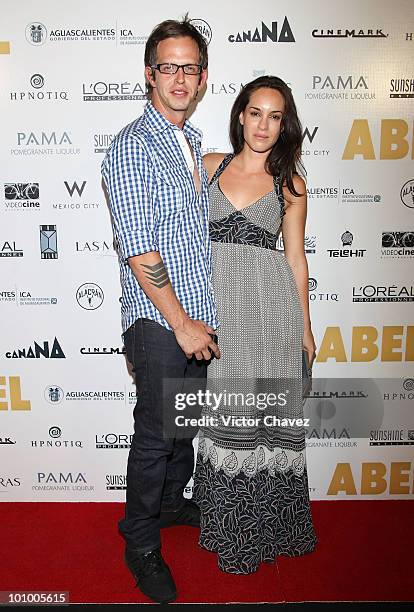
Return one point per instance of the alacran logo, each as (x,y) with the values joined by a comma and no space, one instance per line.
(36,351)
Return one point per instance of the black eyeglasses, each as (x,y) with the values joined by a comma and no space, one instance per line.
(173,68)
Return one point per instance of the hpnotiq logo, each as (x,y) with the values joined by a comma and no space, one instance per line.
(37,81)
(55,432)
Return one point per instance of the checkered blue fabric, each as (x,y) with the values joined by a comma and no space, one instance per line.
(155,207)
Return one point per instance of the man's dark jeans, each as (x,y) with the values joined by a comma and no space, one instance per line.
(160,464)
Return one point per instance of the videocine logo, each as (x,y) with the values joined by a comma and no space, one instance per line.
(397,244)
(265,33)
(48,242)
(21,196)
(21,191)
(46,350)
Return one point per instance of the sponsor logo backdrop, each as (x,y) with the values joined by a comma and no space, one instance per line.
(70,82)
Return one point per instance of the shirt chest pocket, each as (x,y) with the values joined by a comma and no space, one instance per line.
(172,191)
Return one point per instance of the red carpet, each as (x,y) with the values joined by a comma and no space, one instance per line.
(365,553)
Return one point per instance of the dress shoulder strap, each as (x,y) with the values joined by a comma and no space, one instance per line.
(227,159)
(279,193)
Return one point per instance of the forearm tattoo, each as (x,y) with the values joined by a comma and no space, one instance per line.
(156,274)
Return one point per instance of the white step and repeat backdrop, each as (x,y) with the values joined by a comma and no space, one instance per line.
(71,78)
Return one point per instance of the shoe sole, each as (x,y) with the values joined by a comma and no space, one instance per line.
(160,601)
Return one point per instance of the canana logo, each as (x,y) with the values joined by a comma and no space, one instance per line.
(37,350)
(265,33)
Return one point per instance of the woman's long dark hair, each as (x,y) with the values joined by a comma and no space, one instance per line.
(284,159)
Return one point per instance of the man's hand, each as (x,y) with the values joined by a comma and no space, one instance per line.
(195,338)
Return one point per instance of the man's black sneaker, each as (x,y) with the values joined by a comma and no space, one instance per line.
(188,515)
(152,575)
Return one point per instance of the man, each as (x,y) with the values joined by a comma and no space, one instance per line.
(158,195)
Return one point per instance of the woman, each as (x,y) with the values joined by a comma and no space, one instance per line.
(251,480)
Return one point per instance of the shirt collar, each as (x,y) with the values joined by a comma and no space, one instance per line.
(156,122)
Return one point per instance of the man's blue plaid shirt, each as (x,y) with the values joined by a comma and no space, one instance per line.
(155,207)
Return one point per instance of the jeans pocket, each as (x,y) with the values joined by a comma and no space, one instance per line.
(129,343)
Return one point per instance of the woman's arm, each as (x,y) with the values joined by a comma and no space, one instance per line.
(293,232)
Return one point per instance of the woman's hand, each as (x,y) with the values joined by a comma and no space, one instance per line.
(309,345)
